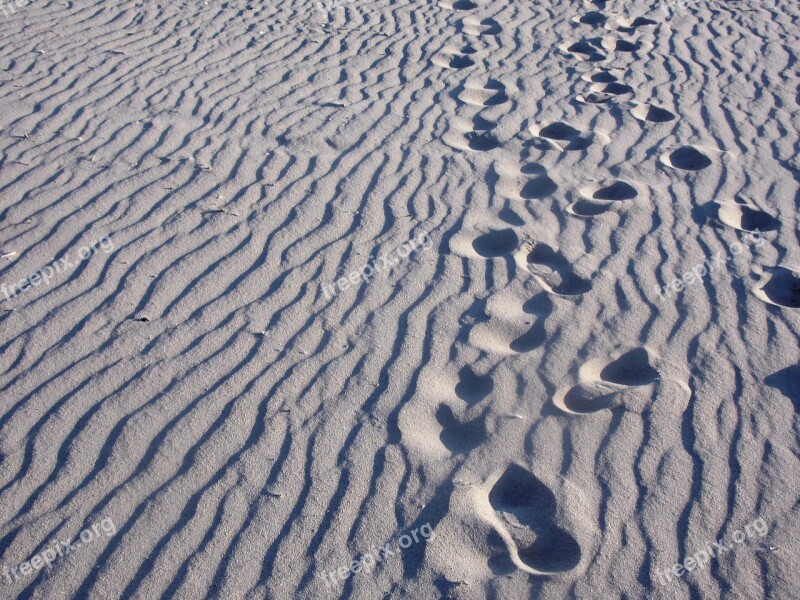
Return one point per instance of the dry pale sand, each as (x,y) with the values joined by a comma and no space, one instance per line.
(519,399)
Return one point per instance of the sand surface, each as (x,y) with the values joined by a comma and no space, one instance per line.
(511,289)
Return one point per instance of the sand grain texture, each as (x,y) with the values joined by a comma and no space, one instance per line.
(520,383)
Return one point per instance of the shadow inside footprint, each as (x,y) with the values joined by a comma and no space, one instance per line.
(481,124)
(625,46)
(745,218)
(653,114)
(560,131)
(619,190)
(592,18)
(496,243)
(783,288)
(587,208)
(472,388)
(461,62)
(689,159)
(632,368)
(787,381)
(603,77)
(482,142)
(464,5)
(583,401)
(459,437)
(499,97)
(538,188)
(587,51)
(485,27)
(530,340)
(558,274)
(616,89)
(529,509)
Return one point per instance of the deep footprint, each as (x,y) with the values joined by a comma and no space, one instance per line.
(457,436)
(496,243)
(482,142)
(652,114)
(538,188)
(687,159)
(591,18)
(492,93)
(563,136)
(744,217)
(528,509)
(630,369)
(476,27)
(600,390)
(619,190)
(554,272)
(782,288)
(453,61)
(471,387)
(583,50)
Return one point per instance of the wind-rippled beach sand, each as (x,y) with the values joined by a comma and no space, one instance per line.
(353,299)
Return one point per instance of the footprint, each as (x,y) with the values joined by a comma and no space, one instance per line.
(780,287)
(459,5)
(450,59)
(539,185)
(627,25)
(491,93)
(600,93)
(554,272)
(617,45)
(459,436)
(540,306)
(477,141)
(475,27)
(584,400)
(588,208)
(563,136)
(507,326)
(583,50)
(652,113)
(686,158)
(481,124)
(528,510)
(600,76)
(601,198)
(594,98)
(618,190)
(601,383)
(538,188)
(590,18)
(744,217)
(481,141)
(496,243)
(471,387)
(613,88)
(630,369)
(787,381)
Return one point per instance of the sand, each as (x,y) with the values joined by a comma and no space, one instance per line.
(457,299)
